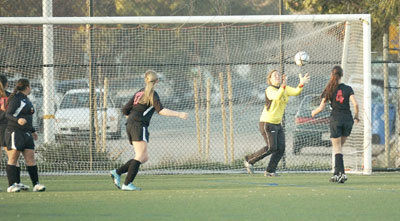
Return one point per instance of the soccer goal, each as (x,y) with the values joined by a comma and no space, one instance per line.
(84,69)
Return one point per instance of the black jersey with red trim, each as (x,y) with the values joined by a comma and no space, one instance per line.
(3,101)
(141,113)
(20,107)
(340,103)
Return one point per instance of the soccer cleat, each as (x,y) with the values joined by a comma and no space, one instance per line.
(334,179)
(130,187)
(248,167)
(342,178)
(13,188)
(23,186)
(268,174)
(39,188)
(116,178)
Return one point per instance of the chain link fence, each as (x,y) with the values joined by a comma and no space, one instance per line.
(385,104)
(386,151)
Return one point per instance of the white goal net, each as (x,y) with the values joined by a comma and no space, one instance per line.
(214,68)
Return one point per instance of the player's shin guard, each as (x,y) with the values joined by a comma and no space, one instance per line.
(33,174)
(11,171)
(132,171)
(124,168)
(258,155)
(339,165)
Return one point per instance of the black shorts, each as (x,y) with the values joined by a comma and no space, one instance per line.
(341,128)
(137,133)
(19,140)
(2,136)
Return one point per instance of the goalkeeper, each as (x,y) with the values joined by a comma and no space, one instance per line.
(140,109)
(276,97)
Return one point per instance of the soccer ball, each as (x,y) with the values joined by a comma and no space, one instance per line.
(301,58)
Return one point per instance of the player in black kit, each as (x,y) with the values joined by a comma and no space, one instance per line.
(20,136)
(140,109)
(339,96)
(4,94)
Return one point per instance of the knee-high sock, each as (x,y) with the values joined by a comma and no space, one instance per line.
(18,174)
(11,171)
(339,165)
(258,155)
(132,171)
(124,168)
(33,173)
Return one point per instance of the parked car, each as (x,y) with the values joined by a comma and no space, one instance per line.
(377,101)
(72,116)
(378,121)
(311,131)
(61,87)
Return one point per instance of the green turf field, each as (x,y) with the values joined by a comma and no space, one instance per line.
(208,197)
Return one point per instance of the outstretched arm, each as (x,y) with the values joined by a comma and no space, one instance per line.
(296,91)
(171,113)
(355,105)
(319,108)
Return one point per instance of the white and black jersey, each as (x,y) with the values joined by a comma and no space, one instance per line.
(20,106)
(140,114)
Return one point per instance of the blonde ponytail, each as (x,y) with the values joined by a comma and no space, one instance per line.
(151,78)
(2,91)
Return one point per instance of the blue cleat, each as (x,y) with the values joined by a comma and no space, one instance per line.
(116,178)
(130,187)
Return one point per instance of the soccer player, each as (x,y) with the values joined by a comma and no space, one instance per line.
(20,136)
(276,97)
(3,124)
(339,96)
(140,109)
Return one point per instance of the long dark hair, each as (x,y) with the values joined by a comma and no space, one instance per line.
(21,85)
(3,83)
(336,74)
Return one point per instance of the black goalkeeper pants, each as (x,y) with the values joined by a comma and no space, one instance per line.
(274,137)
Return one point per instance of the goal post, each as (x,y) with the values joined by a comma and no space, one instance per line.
(187,50)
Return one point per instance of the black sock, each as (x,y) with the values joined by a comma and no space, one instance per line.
(18,174)
(132,171)
(124,168)
(11,171)
(33,173)
(339,166)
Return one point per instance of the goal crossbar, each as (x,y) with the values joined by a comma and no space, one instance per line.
(184,19)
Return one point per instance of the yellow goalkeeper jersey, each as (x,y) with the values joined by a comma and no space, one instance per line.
(279,98)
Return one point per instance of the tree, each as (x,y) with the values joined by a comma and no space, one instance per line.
(383,12)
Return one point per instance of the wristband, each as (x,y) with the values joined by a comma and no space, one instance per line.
(301,85)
